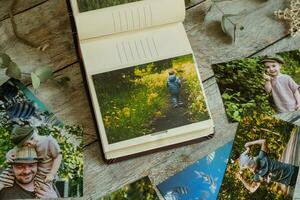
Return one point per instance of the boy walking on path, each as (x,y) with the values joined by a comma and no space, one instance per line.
(285,91)
(174,85)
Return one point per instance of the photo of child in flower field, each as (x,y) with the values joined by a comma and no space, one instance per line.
(150,98)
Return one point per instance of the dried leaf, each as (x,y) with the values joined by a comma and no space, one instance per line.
(35,81)
(43,73)
(4,60)
(13,71)
(228,26)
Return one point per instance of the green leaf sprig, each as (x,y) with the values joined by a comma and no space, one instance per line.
(12,69)
(38,76)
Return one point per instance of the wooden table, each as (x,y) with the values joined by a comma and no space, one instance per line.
(47,21)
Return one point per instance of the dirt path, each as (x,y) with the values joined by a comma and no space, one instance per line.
(173,117)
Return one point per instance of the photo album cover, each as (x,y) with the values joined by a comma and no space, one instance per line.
(40,157)
(264,162)
(142,77)
(201,180)
(140,189)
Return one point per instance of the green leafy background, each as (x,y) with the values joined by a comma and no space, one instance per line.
(86,5)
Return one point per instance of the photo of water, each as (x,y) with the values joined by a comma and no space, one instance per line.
(201,180)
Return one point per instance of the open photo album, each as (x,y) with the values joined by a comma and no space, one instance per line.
(143,80)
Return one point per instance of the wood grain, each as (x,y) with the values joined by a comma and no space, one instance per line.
(46,23)
(211,45)
(21,6)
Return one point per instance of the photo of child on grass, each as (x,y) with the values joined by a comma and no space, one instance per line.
(150,98)
(261,163)
(39,156)
(87,5)
(265,169)
(266,85)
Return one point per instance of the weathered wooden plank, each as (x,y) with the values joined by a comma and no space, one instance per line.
(191,3)
(159,166)
(20,6)
(287,44)
(46,23)
(70,104)
(211,45)
(101,179)
(293,117)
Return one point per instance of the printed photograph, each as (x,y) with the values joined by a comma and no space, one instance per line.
(201,180)
(40,157)
(141,189)
(150,98)
(264,160)
(268,84)
(87,5)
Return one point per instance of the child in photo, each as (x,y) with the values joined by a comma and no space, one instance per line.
(48,152)
(265,169)
(174,86)
(285,91)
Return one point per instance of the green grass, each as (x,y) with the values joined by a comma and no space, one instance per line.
(87,5)
(132,100)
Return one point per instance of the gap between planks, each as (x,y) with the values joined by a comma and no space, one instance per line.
(23,10)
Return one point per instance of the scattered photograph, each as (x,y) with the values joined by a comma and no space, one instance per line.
(150,98)
(200,181)
(87,5)
(268,84)
(141,189)
(264,160)
(40,157)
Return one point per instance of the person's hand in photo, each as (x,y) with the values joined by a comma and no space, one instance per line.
(267,77)
(45,192)
(49,178)
(238,175)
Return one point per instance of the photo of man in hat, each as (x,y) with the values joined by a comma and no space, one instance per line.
(284,90)
(24,169)
(48,151)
